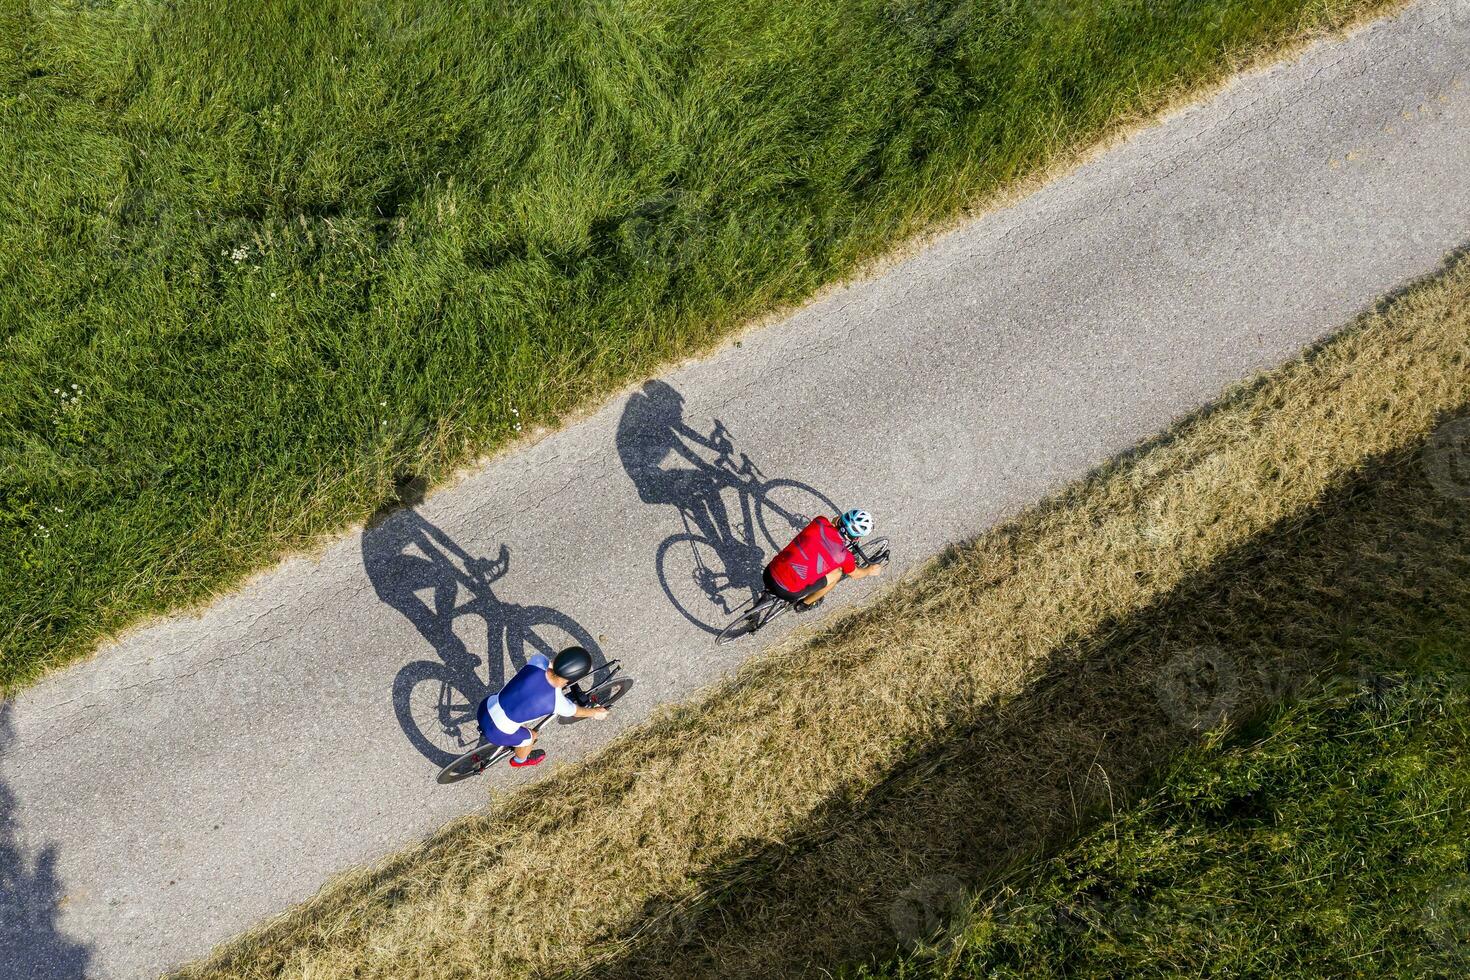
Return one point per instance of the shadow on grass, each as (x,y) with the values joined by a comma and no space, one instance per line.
(1381,563)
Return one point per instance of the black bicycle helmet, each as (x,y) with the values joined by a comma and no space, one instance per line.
(573,663)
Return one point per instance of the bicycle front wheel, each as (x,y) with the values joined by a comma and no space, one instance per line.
(874,552)
(609,692)
(603,694)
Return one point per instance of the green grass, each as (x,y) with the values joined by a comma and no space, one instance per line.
(292,254)
(1329,840)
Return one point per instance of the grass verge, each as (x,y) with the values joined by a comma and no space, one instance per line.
(262,264)
(1330,842)
(971,715)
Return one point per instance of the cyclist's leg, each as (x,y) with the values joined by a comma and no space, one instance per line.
(482,717)
(524,749)
(806,596)
(817,592)
(521,741)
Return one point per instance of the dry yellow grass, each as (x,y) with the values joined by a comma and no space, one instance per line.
(638,861)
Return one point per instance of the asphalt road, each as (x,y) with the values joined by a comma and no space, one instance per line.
(208,771)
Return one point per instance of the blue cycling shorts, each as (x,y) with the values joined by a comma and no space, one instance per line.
(492,732)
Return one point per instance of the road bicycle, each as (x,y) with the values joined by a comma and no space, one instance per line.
(764,607)
(435,700)
(604,688)
(720,566)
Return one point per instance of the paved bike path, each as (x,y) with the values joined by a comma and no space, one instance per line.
(207,771)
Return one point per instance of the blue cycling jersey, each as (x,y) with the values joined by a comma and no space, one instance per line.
(529,695)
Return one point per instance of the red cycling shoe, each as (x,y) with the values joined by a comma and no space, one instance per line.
(533,759)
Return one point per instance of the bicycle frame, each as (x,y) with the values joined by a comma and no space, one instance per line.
(485,755)
(579,697)
(766,606)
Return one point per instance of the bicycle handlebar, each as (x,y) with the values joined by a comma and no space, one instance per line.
(867,559)
(579,696)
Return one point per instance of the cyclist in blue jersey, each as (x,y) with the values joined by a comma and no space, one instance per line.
(534,692)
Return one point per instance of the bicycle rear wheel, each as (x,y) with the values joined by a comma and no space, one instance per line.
(762,610)
(481,757)
(473,762)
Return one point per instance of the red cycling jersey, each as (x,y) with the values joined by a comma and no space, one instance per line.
(813,553)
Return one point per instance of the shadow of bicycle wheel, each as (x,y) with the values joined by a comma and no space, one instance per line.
(436,707)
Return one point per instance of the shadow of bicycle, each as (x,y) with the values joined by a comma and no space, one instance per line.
(419,570)
(734,518)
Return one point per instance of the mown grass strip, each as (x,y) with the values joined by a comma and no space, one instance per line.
(1330,842)
(606,858)
(261,263)
(1375,570)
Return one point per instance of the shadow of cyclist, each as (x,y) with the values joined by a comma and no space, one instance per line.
(32,943)
(420,571)
(713,565)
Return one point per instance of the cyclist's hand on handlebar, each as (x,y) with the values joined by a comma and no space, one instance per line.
(720,437)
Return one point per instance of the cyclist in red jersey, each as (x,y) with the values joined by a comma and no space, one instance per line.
(817,559)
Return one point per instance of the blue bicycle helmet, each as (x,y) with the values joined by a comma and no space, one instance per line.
(857,523)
